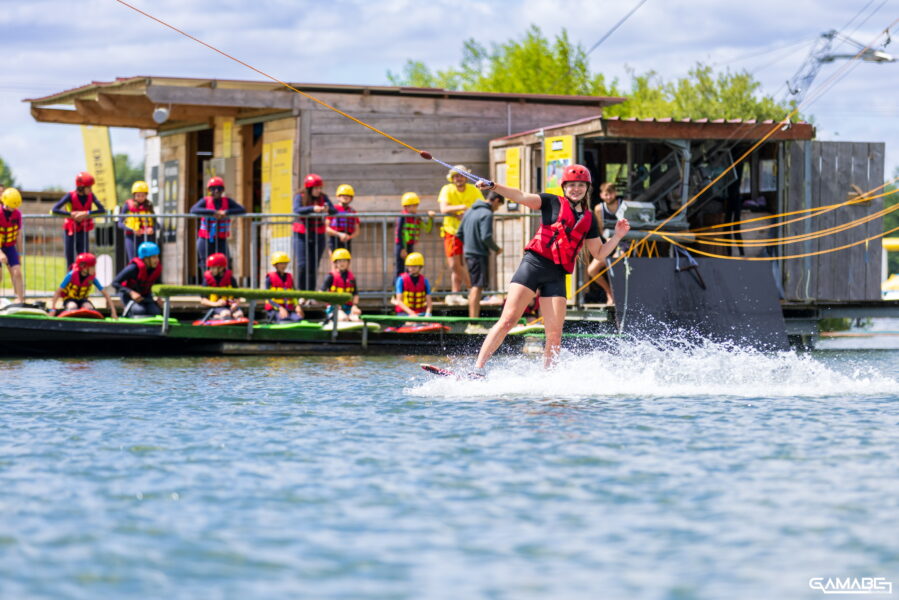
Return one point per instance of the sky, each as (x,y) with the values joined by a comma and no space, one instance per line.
(53,45)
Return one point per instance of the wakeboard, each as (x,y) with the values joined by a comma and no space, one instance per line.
(441,372)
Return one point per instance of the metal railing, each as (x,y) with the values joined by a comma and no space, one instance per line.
(254,237)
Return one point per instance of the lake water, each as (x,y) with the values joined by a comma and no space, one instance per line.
(666,471)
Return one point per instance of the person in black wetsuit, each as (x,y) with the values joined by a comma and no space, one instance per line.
(566,226)
(136,280)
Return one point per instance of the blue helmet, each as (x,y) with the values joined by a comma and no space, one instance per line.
(147,249)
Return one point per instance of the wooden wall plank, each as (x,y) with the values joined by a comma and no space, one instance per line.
(874,250)
(858,176)
(795,276)
(825,176)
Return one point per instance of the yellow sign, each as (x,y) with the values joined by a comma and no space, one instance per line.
(98,155)
(558,153)
(227,137)
(282,177)
(513,167)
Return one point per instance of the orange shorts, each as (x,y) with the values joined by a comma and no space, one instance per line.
(452,246)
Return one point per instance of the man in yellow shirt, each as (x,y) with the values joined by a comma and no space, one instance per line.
(455,198)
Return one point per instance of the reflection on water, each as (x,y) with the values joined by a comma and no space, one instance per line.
(643,471)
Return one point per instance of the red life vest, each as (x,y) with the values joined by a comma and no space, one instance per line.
(281,284)
(343,222)
(341,284)
(143,285)
(211,227)
(9,227)
(317,225)
(79,287)
(138,225)
(561,241)
(408,230)
(415,294)
(69,225)
(225,281)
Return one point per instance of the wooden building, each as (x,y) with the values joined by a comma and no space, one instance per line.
(666,162)
(262,138)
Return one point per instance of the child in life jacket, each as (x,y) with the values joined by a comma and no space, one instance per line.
(11,240)
(343,226)
(413,290)
(137,221)
(342,280)
(409,228)
(76,286)
(218,275)
(280,310)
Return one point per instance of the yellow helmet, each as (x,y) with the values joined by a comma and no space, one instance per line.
(415,259)
(410,198)
(139,187)
(11,198)
(280,257)
(345,190)
(340,254)
(456,169)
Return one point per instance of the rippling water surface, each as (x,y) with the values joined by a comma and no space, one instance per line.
(643,472)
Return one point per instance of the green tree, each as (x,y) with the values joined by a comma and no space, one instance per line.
(534,64)
(125,175)
(6,177)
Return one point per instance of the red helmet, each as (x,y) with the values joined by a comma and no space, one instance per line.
(85,259)
(312,180)
(215,182)
(576,173)
(84,179)
(217,260)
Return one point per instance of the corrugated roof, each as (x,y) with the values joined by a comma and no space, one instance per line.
(119,82)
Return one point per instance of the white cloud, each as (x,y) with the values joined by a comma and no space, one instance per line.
(52,45)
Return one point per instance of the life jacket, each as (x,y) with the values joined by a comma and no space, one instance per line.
(343,222)
(143,285)
(281,284)
(138,225)
(317,225)
(79,287)
(341,284)
(561,241)
(225,281)
(211,227)
(69,225)
(409,231)
(9,227)
(415,294)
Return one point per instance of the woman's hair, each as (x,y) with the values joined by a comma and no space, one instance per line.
(607,186)
(308,200)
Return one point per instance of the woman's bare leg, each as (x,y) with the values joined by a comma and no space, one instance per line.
(594,268)
(518,299)
(552,309)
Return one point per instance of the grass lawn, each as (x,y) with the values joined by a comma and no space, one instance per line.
(42,275)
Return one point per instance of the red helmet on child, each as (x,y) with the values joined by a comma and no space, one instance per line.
(576,173)
(215,182)
(312,180)
(85,259)
(217,260)
(84,179)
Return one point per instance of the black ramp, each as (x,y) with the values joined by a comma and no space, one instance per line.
(720,300)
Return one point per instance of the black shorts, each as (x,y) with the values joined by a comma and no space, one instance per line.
(477,269)
(540,275)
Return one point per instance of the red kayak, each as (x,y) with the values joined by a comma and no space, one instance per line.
(418,328)
(80,313)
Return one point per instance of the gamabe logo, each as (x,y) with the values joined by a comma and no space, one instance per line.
(851,585)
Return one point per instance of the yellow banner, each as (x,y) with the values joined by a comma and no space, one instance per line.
(98,156)
(282,178)
(558,153)
(513,167)
(227,137)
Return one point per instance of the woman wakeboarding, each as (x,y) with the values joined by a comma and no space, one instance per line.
(566,226)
